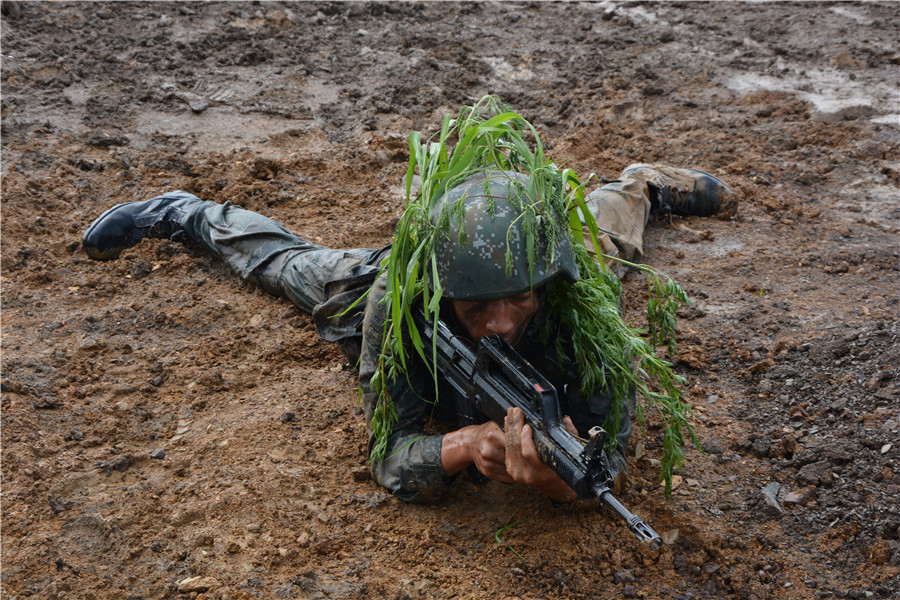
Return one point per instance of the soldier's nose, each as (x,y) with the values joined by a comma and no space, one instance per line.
(500,321)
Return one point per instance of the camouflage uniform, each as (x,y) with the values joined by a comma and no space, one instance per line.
(325,281)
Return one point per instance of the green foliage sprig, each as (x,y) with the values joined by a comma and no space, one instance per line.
(488,136)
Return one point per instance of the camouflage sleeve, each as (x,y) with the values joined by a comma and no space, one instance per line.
(412,468)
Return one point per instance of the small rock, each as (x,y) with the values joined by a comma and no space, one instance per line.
(789,445)
(197,584)
(58,504)
(75,435)
(638,451)
(713,447)
(303,540)
(886,448)
(669,537)
(198,106)
(623,577)
(742,443)
(120,463)
(158,454)
(628,590)
(798,496)
(770,493)
(761,447)
(45,402)
(287,417)
(140,269)
(762,366)
(253,527)
(106,141)
(817,473)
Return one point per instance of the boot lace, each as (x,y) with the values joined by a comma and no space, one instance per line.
(166,226)
(670,200)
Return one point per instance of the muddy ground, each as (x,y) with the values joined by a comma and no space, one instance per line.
(162,420)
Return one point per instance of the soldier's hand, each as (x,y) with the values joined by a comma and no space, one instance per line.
(489,452)
(523,463)
(481,445)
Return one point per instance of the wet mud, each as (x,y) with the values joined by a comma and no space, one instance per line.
(170,431)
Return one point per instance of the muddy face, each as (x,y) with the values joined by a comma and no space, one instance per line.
(507,317)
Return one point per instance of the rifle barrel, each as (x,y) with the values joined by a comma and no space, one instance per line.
(636,524)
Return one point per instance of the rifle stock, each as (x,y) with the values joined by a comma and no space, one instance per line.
(495,378)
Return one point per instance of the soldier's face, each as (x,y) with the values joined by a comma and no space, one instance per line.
(508,317)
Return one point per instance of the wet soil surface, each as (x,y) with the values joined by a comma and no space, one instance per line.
(169,431)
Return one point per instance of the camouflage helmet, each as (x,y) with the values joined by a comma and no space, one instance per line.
(475,269)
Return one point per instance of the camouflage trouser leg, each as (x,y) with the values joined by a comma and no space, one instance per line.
(621,209)
(262,251)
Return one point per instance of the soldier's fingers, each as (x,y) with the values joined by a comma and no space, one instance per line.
(513,466)
(570,426)
(494,470)
(512,425)
(494,452)
(516,416)
(491,458)
(510,432)
(528,450)
(513,459)
(495,436)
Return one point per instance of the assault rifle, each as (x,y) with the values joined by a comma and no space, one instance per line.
(496,378)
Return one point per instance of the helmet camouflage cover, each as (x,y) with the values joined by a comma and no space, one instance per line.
(490,260)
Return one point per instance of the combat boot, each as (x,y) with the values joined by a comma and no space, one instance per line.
(684,192)
(125,225)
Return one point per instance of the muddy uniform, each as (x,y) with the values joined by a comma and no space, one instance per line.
(325,282)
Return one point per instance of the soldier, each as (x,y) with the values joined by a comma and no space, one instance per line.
(481,297)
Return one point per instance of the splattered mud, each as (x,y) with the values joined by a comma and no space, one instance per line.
(169,431)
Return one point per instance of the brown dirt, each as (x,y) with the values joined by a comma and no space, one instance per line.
(300,111)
